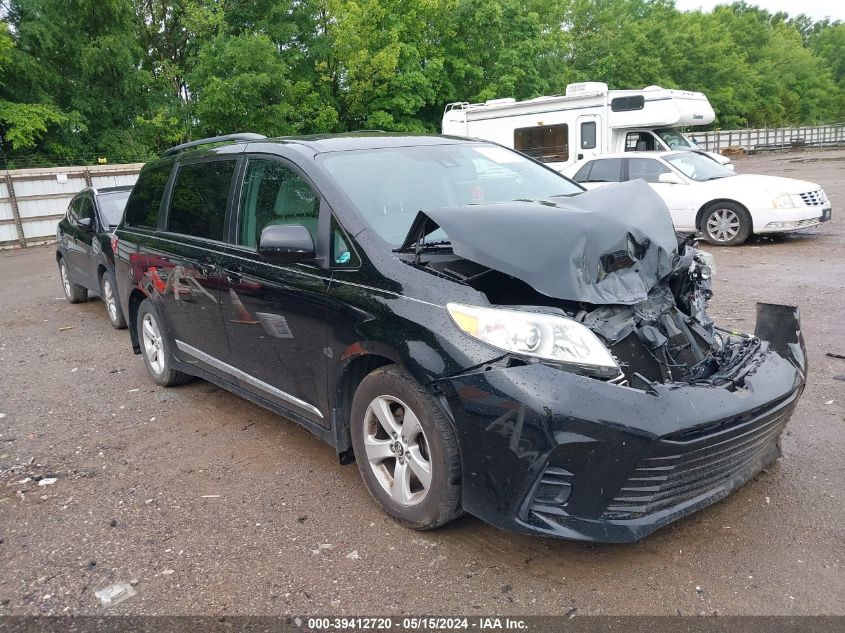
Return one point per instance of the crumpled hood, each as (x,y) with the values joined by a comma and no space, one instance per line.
(606,246)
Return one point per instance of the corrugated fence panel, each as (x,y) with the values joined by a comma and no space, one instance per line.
(39,207)
(40,230)
(117,180)
(8,233)
(43,195)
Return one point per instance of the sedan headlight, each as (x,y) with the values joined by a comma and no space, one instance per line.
(545,336)
(783,201)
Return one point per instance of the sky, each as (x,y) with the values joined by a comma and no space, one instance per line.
(816,9)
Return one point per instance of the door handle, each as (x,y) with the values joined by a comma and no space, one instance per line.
(206,269)
(580,156)
(233,274)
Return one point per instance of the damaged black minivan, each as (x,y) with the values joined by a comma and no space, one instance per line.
(474,330)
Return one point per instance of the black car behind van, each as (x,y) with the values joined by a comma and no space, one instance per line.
(84,247)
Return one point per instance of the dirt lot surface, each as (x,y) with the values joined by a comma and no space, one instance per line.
(209,504)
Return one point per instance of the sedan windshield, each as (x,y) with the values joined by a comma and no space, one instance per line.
(389,186)
(697,166)
(112,205)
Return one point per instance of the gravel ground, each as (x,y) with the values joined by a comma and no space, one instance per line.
(209,504)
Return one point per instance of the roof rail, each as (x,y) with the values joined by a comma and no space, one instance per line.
(245,136)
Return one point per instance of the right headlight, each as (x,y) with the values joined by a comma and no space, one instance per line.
(545,336)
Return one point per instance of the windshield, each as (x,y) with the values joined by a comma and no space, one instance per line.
(389,186)
(697,166)
(674,139)
(112,205)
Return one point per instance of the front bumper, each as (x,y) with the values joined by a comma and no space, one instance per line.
(783,220)
(550,452)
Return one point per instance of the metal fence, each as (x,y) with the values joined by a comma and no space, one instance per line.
(32,201)
(771,139)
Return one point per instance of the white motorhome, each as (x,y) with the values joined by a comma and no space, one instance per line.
(588,121)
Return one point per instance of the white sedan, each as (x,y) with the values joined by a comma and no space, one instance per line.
(702,195)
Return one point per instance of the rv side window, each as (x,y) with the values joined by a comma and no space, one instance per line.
(588,135)
(546,143)
(624,104)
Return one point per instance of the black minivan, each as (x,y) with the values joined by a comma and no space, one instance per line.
(474,330)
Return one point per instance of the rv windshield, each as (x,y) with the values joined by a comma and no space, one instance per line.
(390,185)
(697,166)
(674,139)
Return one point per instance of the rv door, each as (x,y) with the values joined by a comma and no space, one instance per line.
(589,132)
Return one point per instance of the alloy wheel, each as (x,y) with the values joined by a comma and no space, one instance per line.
(65,278)
(723,225)
(109,299)
(152,343)
(397,450)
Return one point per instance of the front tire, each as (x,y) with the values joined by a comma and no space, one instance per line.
(155,349)
(74,293)
(726,224)
(406,450)
(108,292)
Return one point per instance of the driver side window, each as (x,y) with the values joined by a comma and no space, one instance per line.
(645,168)
(80,209)
(274,194)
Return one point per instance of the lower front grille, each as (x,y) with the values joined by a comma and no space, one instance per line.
(676,471)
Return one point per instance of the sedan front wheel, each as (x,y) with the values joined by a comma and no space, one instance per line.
(726,224)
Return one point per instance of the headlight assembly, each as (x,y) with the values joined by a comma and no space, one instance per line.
(783,201)
(545,336)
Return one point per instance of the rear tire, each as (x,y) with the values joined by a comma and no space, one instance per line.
(155,349)
(108,292)
(74,293)
(409,460)
(726,224)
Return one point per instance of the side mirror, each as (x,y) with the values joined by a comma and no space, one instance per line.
(670,178)
(85,224)
(286,244)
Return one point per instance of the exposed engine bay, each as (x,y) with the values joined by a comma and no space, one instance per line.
(667,338)
(658,331)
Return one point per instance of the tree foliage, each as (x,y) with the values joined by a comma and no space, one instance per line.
(126,78)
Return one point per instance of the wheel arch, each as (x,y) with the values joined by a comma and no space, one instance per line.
(135,299)
(699,216)
(353,372)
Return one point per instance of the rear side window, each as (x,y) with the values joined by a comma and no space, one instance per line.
(275,194)
(546,143)
(145,200)
(583,174)
(198,202)
(605,170)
